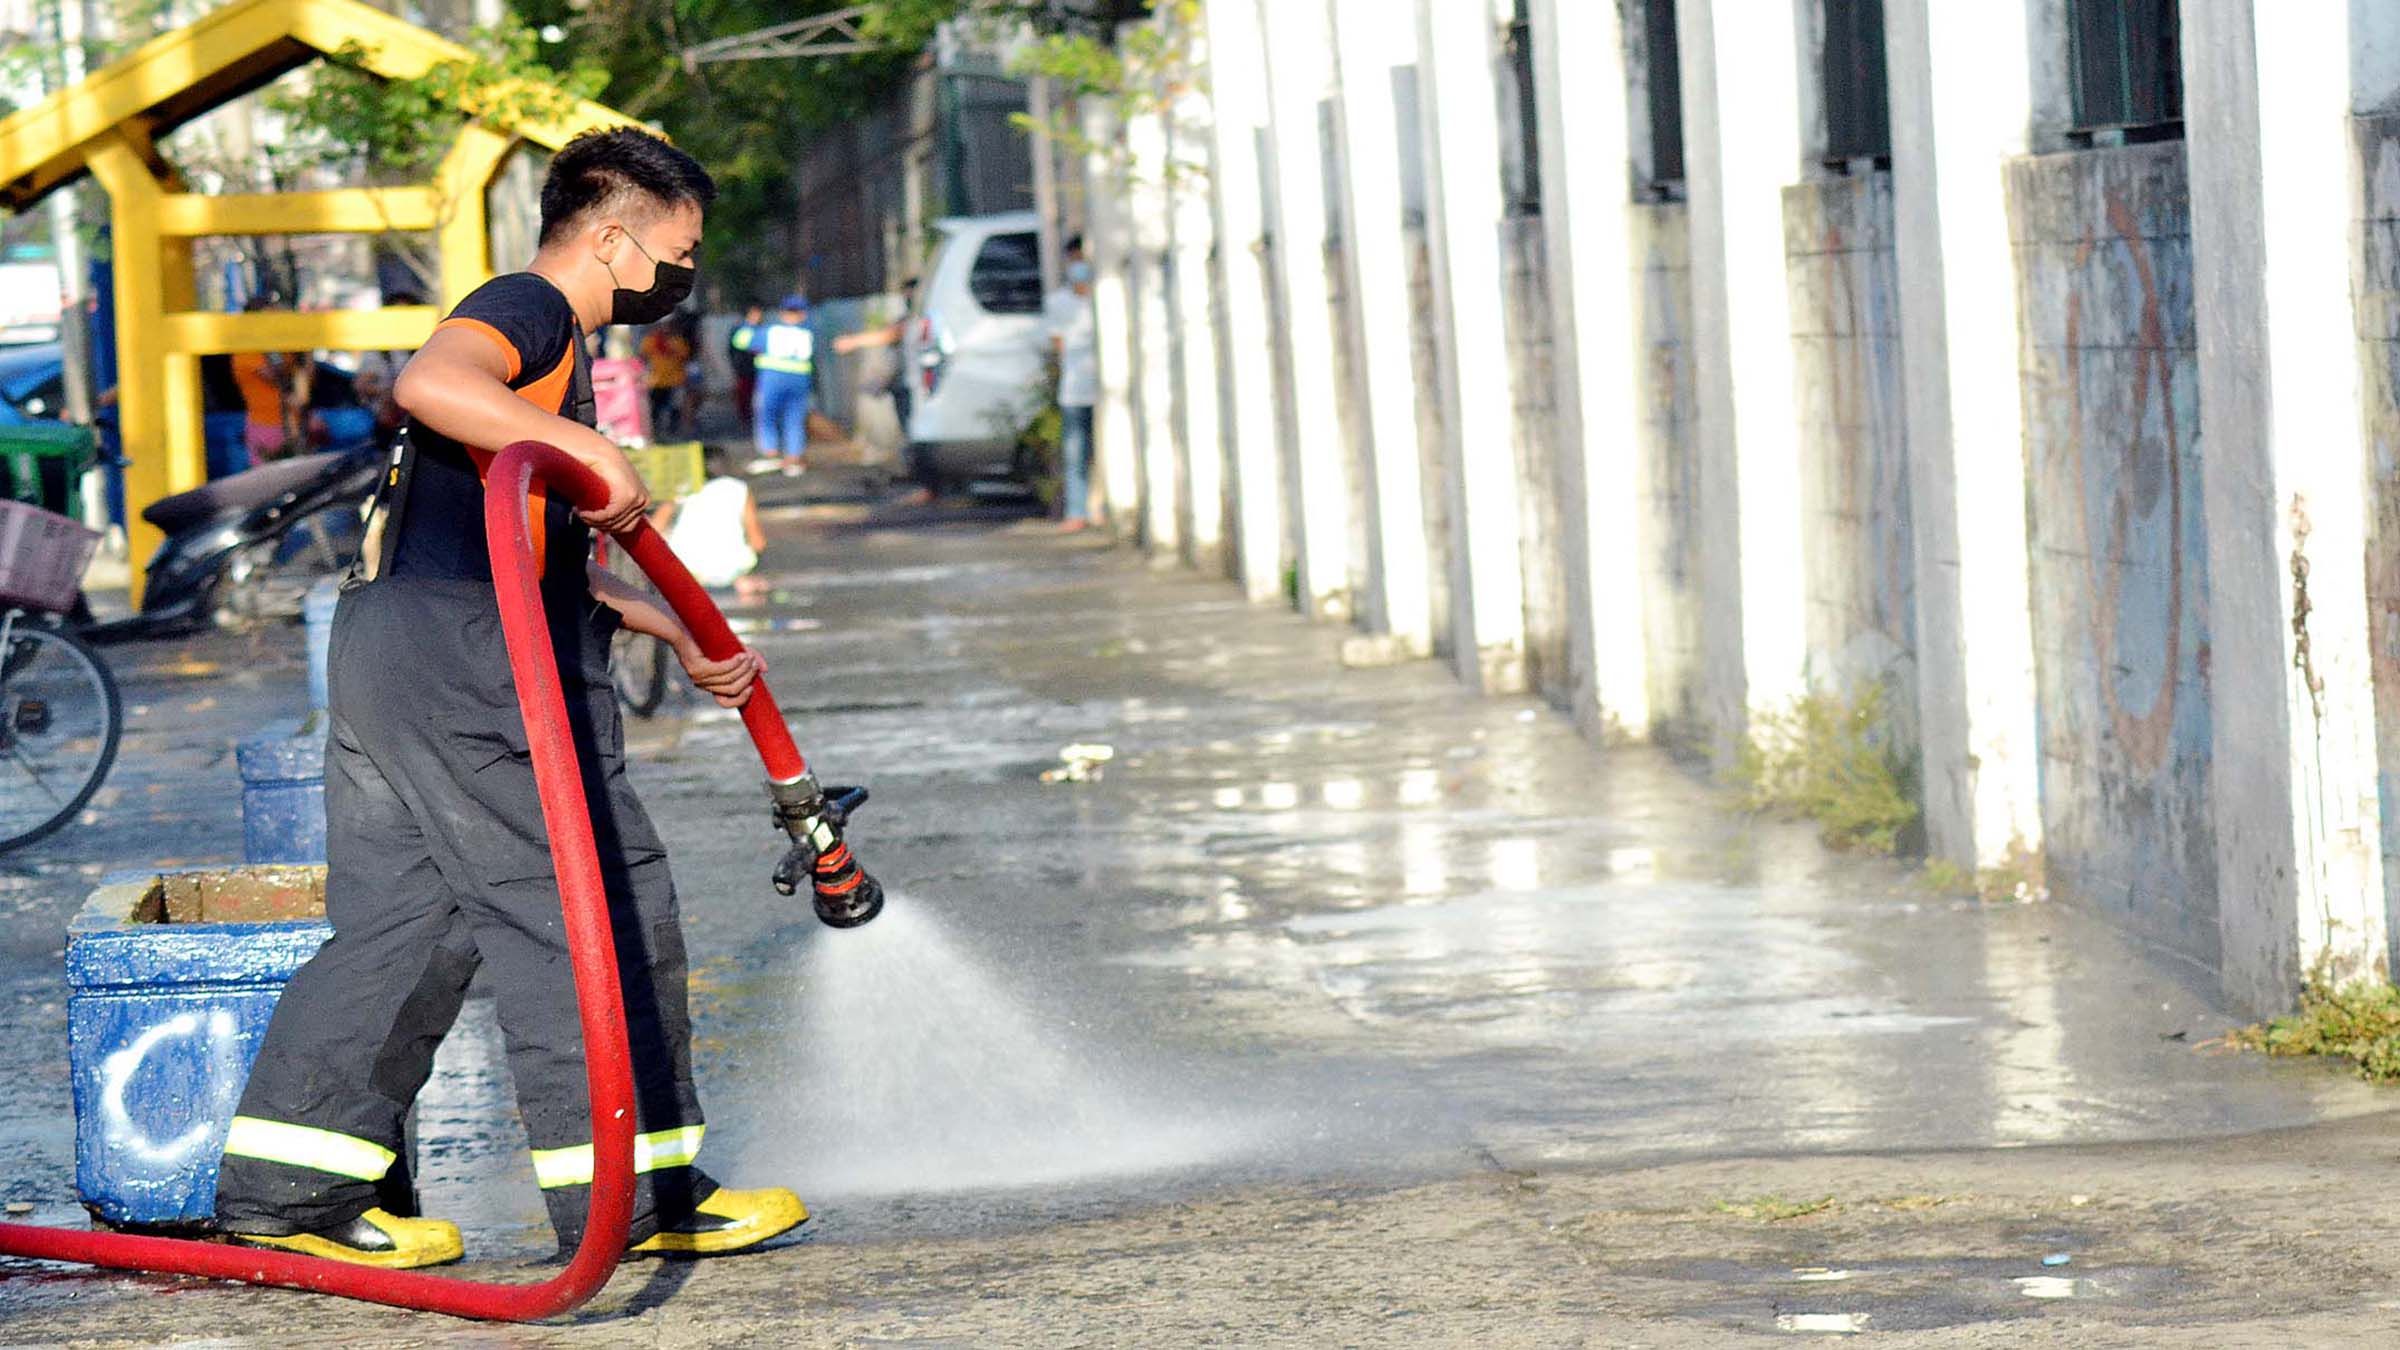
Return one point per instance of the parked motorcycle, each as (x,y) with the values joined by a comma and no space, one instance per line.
(247,547)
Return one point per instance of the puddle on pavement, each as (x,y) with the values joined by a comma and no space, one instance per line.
(1586,964)
(1843,1323)
(778,624)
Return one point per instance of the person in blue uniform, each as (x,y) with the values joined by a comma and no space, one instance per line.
(787,377)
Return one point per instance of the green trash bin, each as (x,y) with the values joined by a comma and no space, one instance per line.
(43,463)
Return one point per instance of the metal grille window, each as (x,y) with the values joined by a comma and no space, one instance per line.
(2125,63)
(1858,114)
(1524,164)
(1665,81)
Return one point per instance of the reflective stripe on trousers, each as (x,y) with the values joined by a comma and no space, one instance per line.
(553,1167)
(307,1146)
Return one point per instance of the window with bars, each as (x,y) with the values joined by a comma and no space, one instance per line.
(1858,115)
(1663,79)
(2125,67)
(1523,165)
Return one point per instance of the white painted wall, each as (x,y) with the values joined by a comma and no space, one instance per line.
(1299,64)
(1246,367)
(2293,769)
(1154,333)
(1370,47)
(1194,239)
(1742,147)
(1457,41)
(2374,56)
(1579,76)
(1108,239)
(1953,124)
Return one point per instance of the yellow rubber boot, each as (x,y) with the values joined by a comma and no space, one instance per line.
(728,1221)
(375,1238)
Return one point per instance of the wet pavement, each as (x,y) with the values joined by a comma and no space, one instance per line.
(1336,1008)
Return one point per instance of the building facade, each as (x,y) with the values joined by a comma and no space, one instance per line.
(2034,361)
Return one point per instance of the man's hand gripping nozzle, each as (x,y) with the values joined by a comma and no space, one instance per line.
(845,896)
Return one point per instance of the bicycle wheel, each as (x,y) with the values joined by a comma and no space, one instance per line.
(60,717)
(639,664)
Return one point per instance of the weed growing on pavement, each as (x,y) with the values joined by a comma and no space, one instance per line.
(2357,1020)
(1774,1208)
(1832,759)
(2018,877)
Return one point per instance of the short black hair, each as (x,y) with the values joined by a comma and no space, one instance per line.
(1074,243)
(599,170)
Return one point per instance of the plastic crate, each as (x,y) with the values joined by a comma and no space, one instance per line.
(672,472)
(42,558)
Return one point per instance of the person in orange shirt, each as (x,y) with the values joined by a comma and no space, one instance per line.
(262,403)
(669,354)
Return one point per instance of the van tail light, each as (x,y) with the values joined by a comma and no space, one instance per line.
(931,355)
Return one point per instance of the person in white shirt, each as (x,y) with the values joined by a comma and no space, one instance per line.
(1067,315)
(715,531)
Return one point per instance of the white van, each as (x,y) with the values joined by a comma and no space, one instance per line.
(974,347)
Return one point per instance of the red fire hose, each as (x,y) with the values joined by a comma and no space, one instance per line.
(568,818)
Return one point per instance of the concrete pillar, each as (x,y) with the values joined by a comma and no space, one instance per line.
(1106,238)
(1153,332)
(2293,768)
(1369,48)
(1246,361)
(1194,231)
(1742,144)
(1299,63)
(1960,105)
(1579,79)
(1457,42)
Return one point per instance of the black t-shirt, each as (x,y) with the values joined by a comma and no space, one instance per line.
(438,525)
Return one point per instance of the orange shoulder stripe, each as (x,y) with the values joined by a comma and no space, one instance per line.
(516,359)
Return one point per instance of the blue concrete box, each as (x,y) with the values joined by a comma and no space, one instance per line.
(283,798)
(171,978)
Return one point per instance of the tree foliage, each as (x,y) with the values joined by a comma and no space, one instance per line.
(750,123)
(397,130)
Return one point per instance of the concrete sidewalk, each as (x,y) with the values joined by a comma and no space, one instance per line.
(1339,1008)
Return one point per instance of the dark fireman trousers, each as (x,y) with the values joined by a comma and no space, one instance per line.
(438,863)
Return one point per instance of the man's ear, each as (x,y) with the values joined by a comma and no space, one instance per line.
(607,238)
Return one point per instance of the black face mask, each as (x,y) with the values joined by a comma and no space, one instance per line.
(670,284)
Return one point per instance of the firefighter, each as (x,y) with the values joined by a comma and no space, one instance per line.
(437,860)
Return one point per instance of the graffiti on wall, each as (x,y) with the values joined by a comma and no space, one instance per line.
(2376,277)
(2117,534)
(1860,549)
(1533,392)
(1671,469)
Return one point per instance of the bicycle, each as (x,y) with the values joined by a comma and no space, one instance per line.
(60,720)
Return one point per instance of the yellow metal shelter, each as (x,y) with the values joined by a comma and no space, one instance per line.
(109,126)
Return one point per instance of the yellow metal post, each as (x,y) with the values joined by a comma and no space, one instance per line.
(465,238)
(184,441)
(121,162)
